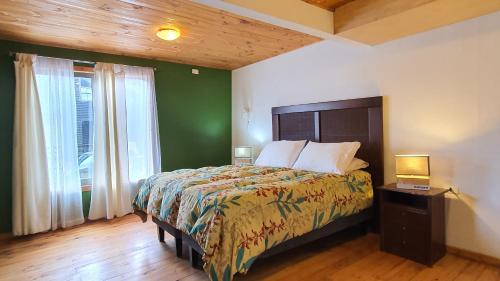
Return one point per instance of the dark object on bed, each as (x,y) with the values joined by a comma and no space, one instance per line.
(335,121)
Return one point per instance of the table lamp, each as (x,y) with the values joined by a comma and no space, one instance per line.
(413,171)
(243,155)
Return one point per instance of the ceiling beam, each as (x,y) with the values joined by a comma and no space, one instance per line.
(330,5)
(377,21)
(291,10)
(291,14)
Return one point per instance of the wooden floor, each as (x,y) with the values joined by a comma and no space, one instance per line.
(126,249)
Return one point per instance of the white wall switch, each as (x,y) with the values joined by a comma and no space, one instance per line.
(195,71)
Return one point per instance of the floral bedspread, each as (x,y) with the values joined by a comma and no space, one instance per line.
(160,194)
(236,219)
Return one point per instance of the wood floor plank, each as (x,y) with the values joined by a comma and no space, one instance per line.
(471,272)
(403,272)
(490,273)
(448,268)
(127,249)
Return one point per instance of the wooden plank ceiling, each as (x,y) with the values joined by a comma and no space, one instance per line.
(210,37)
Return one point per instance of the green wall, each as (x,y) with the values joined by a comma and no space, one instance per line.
(194,113)
(86,203)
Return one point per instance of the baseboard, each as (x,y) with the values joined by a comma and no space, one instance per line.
(5,236)
(473,256)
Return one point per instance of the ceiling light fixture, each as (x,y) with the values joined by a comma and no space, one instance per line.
(168,33)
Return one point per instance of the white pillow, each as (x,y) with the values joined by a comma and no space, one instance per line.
(280,154)
(357,164)
(327,157)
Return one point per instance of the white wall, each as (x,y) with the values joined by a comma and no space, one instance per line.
(441,96)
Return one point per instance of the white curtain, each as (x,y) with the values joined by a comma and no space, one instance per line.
(126,141)
(142,123)
(46,179)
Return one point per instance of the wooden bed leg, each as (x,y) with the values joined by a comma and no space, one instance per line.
(161,234)
(194,258)
(178,247)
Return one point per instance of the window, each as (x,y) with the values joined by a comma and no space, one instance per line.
(85,124)
(141,142)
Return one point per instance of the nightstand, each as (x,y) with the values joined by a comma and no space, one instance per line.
(243,161)
(412,223)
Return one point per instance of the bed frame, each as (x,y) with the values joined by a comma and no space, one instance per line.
(162,227)
(336,121)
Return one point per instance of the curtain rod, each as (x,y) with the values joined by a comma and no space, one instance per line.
(11,53)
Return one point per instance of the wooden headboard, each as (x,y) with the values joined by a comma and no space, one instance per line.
(337,121)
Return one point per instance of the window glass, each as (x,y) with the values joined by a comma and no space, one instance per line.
(85,124)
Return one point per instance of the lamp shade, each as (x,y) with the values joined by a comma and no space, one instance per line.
(243,152)
(412,166)
(169,33)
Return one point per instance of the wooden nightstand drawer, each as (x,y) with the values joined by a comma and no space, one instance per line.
(411,244)
(405,229)
(403,214)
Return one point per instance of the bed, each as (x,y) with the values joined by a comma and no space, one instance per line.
(160,195)
(229,216)
(337,121)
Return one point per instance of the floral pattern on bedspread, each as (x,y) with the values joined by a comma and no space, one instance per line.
(160,194)
(235,220)
(142,197)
